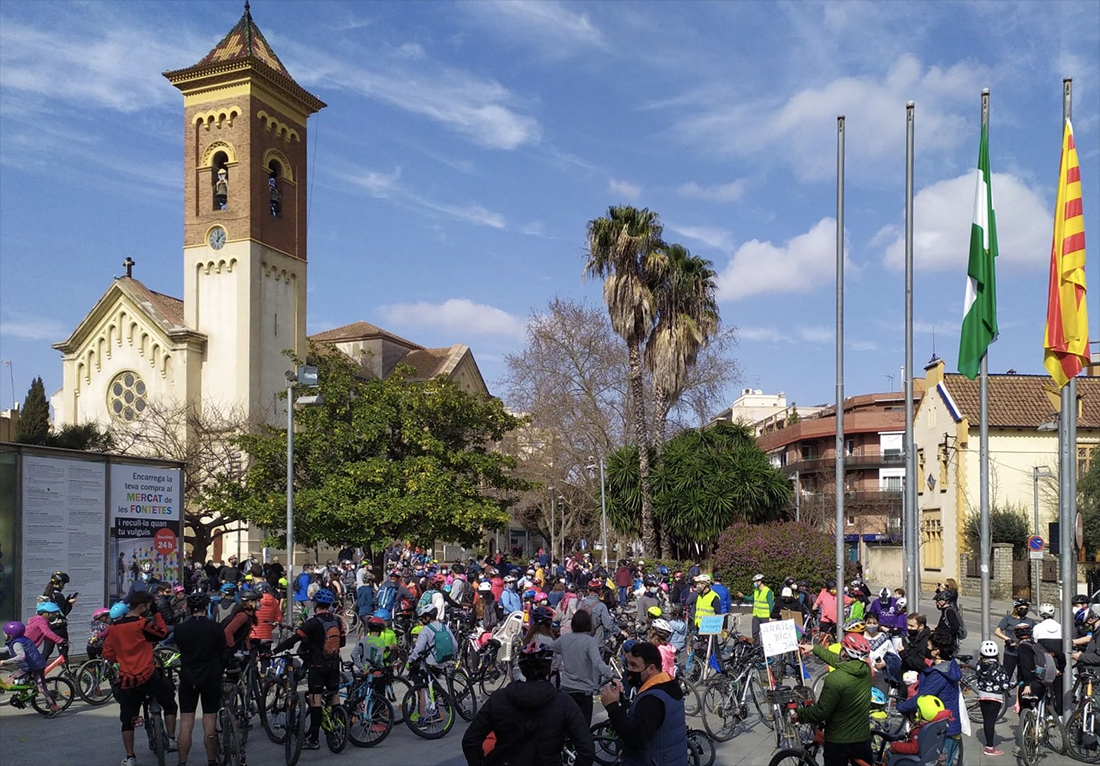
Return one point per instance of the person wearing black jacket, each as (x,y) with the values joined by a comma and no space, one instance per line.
(1091,654)
(530,721)
(60,626)
(950,620)
(915,652)
(203,657)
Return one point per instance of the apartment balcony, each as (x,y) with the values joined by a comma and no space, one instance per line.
(853,462)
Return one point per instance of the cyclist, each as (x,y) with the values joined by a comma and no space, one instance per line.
(436,644)
(992,684)
(1005,631)
(582,668)
(146,582)
(392,592)
(101,623)
(826,605)
(54,592)
(302,583)
(941,679)
(647,599)
(376,647)
(231,572)
(40,629)
(660,631)
(1048,635)
(1091,653)
(930,709)
(322,636)
(528,722)
(130,643)
(763,604)
(679,626)
(227,606)
(707,602)
(203,657)
(239,626)
(602,623)
(653,729)
(510,600)
(486,608)
(25,654)
(844,707)
(268,611)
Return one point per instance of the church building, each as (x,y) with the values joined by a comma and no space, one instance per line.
(225,343)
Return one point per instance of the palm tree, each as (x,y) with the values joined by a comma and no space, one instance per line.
(619,246)
(683,287)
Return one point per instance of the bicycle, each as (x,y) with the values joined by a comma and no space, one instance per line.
(1081,734)
(428,708)
(968,688)
(609,748)
(1038,729)
(230,749)
(370,713)
(152,718)
(809,754)
(296,725)
(335,724)
(21,692)
(95,680)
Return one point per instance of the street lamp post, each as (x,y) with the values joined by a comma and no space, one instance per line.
(603,507)
(307,376)
(1037,473)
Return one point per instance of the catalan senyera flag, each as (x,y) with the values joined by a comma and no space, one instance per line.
(1067,331)
(979,326)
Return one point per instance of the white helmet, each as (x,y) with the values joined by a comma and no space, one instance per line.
(662,626)
(485,587)
(988,649)
(1046,610)
(428,610)
(901,603)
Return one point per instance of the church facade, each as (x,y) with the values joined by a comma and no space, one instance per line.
(225,343)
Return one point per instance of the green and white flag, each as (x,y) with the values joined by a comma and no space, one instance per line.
(979,325)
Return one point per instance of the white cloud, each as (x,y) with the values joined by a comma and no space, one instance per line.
(801,130)
(731,192)
(481,109)
(799,265)
(711,236)
(29,327)
(386,186)
(817,334)
(624,189)
(763,334)
(942,216)
(863,345)
(554,27)
(772,334)
(456,315)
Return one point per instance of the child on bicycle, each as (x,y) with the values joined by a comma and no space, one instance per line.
(32,665)
(101,623)
(375,648)
(930,709)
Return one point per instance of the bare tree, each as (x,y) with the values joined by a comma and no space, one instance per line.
(202,439)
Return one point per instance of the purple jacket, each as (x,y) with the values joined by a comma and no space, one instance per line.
(888,615)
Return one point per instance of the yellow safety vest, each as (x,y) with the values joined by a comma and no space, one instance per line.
(760,606)
(706,605)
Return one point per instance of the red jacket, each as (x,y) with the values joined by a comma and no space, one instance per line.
(130,642)
(623,577)
(911,746)
(266,613)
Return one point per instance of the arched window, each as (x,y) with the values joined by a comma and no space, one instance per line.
(275,172)
(220,179)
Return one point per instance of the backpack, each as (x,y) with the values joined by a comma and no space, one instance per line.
(1046,670)
(425,599)
(962,626)
(443,642)
(334,637)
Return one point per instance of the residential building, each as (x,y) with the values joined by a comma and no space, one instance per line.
(755,408)
(9,424)
(1023,415)
(874,465)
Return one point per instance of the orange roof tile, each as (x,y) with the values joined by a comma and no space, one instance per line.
(1021,401)
(428,362)
(361,331)
(244,41)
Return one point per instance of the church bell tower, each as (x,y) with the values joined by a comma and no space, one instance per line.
(244,224)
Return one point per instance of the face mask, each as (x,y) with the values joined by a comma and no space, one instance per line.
(872,629)
(913,635)
(635,678)
(145,575)
(1023,612)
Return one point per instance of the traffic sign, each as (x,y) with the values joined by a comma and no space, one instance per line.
(1035,543)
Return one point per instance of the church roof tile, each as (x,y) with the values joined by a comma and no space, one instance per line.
(361,331)
(430,362)
(1022,401)
(244,41)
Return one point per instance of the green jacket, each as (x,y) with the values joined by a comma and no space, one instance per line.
(845,703)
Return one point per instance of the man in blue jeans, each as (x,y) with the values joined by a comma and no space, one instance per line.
(623,579)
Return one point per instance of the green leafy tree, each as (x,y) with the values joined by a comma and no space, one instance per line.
(618,247)
(1007,524)
(378,460)
(776,550)
(88,437)
(34,419)
(1088,505)
(704,481)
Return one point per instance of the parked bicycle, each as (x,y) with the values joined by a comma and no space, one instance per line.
(1081,727)
(1037,729)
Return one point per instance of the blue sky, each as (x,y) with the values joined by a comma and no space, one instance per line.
(466,145)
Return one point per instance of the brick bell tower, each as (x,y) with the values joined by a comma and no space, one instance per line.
(244,221)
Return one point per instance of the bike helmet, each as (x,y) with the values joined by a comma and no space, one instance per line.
(1093,613)
(654,611)
(878,697)
(147,566)
(101,612)
(540,615)
(382,614)
(884,594)
(438,579)
(15,629)
(830,584)
(988,649)
(228,588)
(789,581)
(901,603)
(535,660)
(650,581)
(119,610)
(571,587)
(323,597)
(928,707)
(855,646)
(485,587)
(1080,599)
(755,578)
(282,582)
(1020,602)
(509,578)
(376,623)
(250,596)
(48,607)
(595,583)
(1022,629)
(854,626)
(60,577)
(198,602)
(428,610)
(1046,610)
(662,628)
(529,594)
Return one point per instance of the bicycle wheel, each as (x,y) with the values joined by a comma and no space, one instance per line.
(721,711)
(93,682)
(1081,740)
(1055,735)
(1027,739)
(607,745)
(704,744)
(61,689)
(792,757)
(437,716)
(764,709)
(463,695)
(273,713)
(336,732)
(371,721)
(158,739)
(295,728)
(494,676)
(229,744)
(691,697)
(395,690)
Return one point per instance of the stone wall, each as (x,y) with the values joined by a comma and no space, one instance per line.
(1000,576)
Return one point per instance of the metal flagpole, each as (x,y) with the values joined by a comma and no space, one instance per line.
(912,541)
(290,498)
(983,437)
(1067,469)
(839,373)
